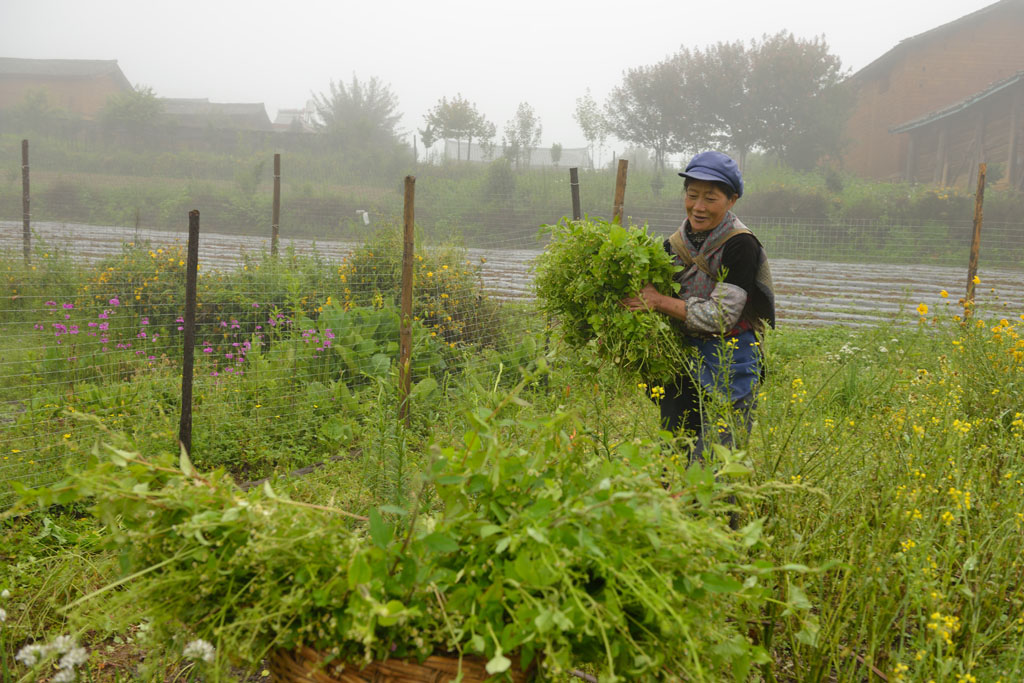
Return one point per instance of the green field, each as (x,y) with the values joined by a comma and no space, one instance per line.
(878,501)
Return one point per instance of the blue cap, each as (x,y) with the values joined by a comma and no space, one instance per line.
(716,167)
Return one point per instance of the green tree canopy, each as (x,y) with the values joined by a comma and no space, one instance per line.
(591,122)
(522,134)
(798,87)
(653,108)
(460,120)
(360,115)
(135,110)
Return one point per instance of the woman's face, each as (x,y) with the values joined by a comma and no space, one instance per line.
(706,205)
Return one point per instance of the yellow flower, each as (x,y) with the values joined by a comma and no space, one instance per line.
(975,280)
(922,309)
(944,294)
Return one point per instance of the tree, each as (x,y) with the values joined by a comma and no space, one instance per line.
(360,116)
(720,84)
(135,110)
(556,153)
(522,134)
(459,119)
(798,87)
(591,122)
(653,108)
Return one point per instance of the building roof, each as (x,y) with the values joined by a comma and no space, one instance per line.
(960,106)
(939,31)
(63,68)
(201,111)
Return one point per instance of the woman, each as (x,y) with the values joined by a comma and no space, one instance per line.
(725,298)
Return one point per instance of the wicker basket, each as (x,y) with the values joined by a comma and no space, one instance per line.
(305,665)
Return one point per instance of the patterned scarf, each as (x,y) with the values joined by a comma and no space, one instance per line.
(693,281)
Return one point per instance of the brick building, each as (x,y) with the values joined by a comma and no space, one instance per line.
(80,86)
(922,81)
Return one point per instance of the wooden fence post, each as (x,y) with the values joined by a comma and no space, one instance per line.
(574,189)
(189,342)
(275,220)
(405,328)
(972,264)
(26,215)
(620,191)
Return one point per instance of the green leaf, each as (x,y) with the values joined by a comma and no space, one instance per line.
(380,531)
(184,463)
(489,530)
(359,570)
(751,533)
(441,543)
(735,469)
(394,510)
(720,584)
(498,664)
(424,388)
(798,598)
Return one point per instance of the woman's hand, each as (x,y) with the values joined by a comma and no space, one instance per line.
(650,299)
(647,299)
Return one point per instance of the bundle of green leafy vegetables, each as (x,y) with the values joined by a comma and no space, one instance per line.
(587,269)
(547,550)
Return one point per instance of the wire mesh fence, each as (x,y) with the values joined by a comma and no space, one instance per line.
(296,353)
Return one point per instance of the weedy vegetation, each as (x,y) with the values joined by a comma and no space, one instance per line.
(532,512)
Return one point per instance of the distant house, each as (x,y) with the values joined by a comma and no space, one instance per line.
(931,82)
(80,86)
(946,146)
(539,156)
(296,120)
(202,113)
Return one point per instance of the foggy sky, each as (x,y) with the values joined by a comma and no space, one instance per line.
(495,54)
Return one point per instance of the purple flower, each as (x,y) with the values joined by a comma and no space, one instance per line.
(145,321)
(208,349)
(223,323)
(114,302)
(104,339)
(104,326)
(37,326)
(179,319)
(181,327)
(50,303)
(151,357)
(141,335)
(73,329)
(229,355)
(67,307)
(91,324)
(214,374)
(229,369)
(104,315)
(255,305)
(259,327)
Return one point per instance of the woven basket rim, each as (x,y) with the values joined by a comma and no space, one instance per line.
(304,664)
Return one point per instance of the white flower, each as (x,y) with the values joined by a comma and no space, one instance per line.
(882,349)
(62,644)
(199,649)
(3,615)
(29,654)
(74,657)
(63,676)
(5,594)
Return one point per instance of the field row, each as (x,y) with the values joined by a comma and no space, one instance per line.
(809,292)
